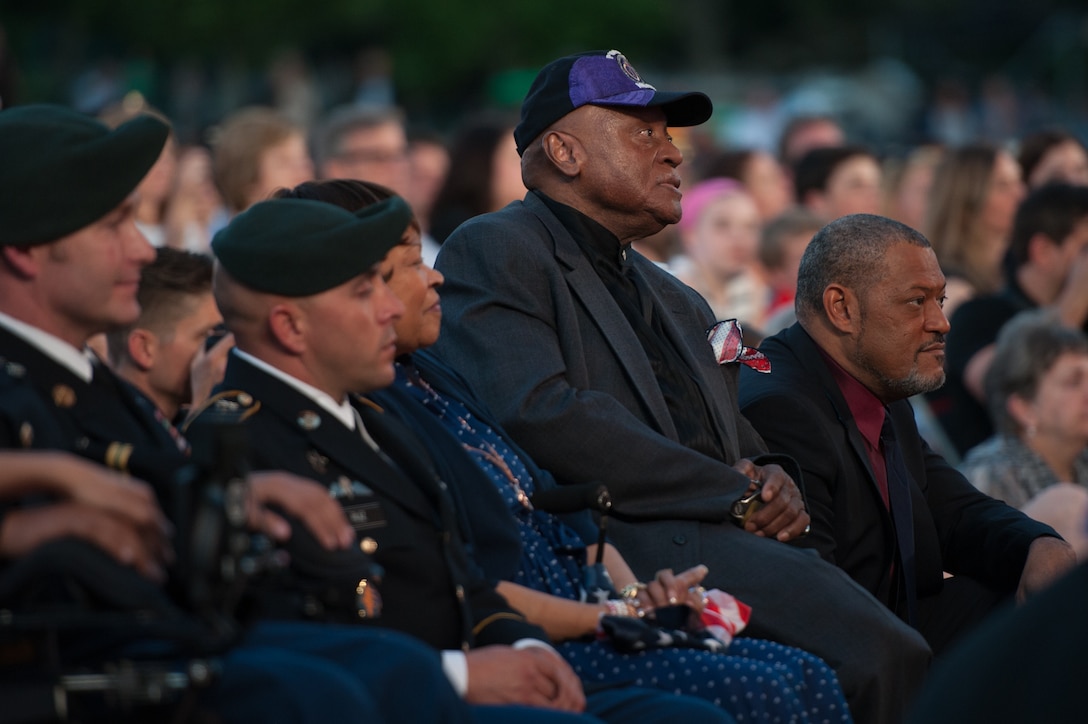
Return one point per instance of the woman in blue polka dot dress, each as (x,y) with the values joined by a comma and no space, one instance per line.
(754,680)
(539,559)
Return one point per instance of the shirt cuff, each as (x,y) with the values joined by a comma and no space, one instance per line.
(529,643)
(455,665)
(456,669)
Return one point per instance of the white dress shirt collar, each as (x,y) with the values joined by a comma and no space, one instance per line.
(76,360)
(342,410)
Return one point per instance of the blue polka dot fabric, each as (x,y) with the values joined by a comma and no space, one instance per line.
(755,681)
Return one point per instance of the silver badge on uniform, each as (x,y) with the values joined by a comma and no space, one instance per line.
(309,420)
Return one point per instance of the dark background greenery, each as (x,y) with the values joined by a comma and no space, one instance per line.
(446,51)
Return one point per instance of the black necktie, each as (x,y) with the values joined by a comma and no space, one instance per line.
(902,517)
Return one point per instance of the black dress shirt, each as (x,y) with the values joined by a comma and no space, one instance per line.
(682,393)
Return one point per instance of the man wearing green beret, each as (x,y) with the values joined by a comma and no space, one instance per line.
(299,286)
(70,262)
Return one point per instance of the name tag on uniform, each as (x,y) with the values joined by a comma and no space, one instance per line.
(365,516)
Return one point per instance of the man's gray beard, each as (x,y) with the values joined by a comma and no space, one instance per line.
(892,388)
(911,385)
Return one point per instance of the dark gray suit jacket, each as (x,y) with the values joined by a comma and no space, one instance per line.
(537,334)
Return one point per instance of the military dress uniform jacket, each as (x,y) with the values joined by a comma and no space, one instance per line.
(483,515)
(26,421)
(299,659)
(401,510)
(100,420)
(44,406)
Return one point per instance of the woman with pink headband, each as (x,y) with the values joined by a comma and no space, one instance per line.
(720,231)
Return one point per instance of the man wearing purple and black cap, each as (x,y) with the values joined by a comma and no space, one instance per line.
(598,363)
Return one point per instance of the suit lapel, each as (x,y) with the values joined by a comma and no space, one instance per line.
(400,444)
(693,346)
(325,435)
(588,288)
(811,358)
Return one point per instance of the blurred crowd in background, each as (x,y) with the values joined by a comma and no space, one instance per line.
(781,156)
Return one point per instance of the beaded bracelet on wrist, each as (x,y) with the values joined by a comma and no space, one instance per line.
(613,607)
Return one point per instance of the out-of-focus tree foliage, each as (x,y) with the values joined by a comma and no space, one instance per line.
(439,46)
(446,49)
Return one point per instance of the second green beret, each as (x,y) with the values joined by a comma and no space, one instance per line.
(298,248)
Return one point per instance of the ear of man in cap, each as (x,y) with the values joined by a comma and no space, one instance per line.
(299,247)
(600,78)
(62,170)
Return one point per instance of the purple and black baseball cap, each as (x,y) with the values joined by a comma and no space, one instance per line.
(599,78)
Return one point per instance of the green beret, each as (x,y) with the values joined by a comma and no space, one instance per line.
(61,170)
(298,247)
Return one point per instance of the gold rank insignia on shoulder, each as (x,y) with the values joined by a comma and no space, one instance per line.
(117,456)
(231,401)
(309,420)
(235,405)
(64,396)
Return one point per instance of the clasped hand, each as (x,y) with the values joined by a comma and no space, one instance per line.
(669,589)
(782,515)
(532,676)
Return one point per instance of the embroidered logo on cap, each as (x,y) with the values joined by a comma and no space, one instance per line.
(628,69)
